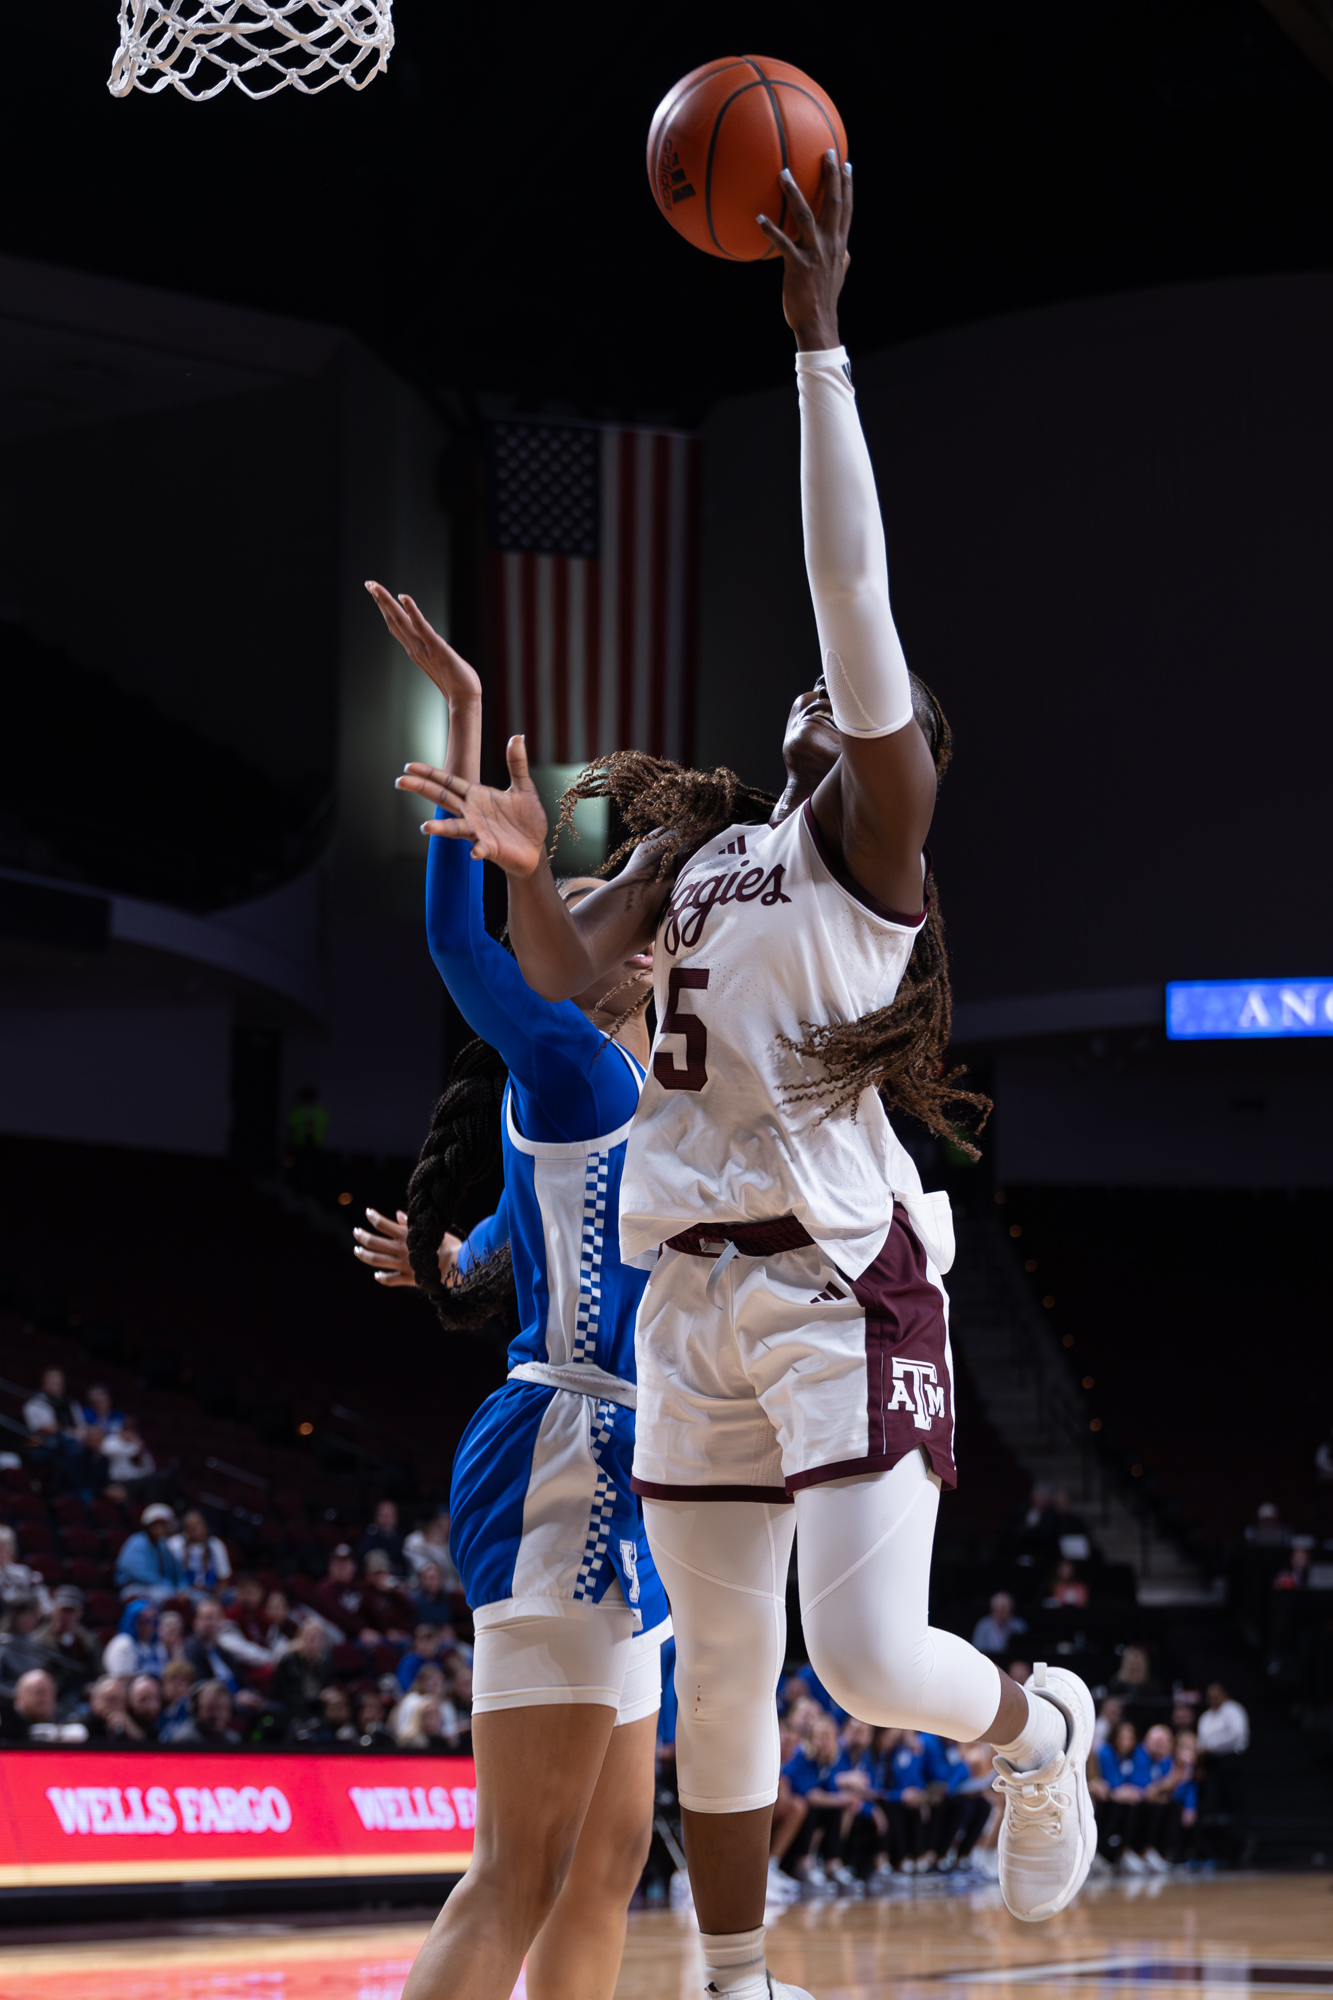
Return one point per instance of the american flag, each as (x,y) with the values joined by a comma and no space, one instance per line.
(594,569)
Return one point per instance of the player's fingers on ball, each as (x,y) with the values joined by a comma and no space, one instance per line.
(797,202)
(779,238)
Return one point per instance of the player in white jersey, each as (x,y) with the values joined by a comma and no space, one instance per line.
(792,1342)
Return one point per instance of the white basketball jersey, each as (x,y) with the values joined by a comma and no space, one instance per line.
(765,932)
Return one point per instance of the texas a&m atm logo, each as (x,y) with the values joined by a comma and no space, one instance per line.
(917,1387)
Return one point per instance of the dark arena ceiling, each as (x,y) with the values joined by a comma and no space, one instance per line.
(480,216)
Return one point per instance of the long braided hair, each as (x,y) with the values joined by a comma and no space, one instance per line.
(898,1050)
(461,1148)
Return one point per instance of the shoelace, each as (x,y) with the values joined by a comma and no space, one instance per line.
(1041,1803)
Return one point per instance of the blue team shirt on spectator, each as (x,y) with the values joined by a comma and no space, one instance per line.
(1186,1795)
(1134,1770)
(805,1776)
(905,1770)
(944,1763)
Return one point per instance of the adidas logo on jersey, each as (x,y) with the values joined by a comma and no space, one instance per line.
(828,1296)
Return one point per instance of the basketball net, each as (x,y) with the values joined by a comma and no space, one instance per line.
(262,46)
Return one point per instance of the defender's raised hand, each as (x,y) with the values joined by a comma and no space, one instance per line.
(815,262)
(508,828)
(425,647)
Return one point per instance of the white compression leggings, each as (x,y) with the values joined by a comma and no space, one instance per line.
(864,1562)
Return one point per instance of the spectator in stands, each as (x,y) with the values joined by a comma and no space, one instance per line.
(171,1634)
(1133,1679)
(1186,1793)
(282,1629)
(50,1413)
(1119,1787)
(371,1733)
(904,1782)
(1109,1717)
(136,1647)
(812,1774)
(1223,1737)
(146,1705)
(218,1651)
(331,1721)
(431,1603)
(109,1719)
(1160,1816)
(57,1437)
(128,1459)
(65,1633)
(21,1651)
(32,1699)
(146,1566)
(202,1556)
(429,1685)
(212,1727)
(302,1674)
(17,1579)
(383,1536)
(428,1643)
(387,1608)
(246,1613)
(431,1544)
(342,1600)
(995,1633)
(29,1714)
(1068,1590)
(100,1413)
(433,1727)
(177,1685)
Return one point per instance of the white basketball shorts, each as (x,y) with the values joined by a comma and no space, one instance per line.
(791,1374)
(593,1658)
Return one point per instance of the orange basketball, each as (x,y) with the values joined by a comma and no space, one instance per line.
(719,140)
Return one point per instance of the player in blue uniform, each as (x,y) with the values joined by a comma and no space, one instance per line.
(546,1532)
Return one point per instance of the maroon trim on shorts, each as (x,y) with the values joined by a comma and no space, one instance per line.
(772,1496)
(904,1323)
(844,878)
(752,1239)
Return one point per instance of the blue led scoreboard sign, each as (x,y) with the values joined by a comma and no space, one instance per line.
(1245,1010)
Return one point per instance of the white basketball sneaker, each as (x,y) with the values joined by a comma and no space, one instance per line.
(1049,1834)
(777,1991)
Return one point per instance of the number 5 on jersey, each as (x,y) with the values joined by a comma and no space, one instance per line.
(695,1073)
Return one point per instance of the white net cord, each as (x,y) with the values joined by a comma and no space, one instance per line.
(262,46)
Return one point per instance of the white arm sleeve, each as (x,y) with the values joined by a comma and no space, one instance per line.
(864,668)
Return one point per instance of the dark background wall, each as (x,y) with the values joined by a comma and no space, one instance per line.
(1108,527)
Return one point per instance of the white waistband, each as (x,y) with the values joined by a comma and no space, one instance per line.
(582,1377)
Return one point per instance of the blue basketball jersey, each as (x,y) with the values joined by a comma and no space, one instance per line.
(543,1517)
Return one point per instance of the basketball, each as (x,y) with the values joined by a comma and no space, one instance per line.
(721,137)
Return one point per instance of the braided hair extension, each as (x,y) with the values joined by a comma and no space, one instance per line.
(655,797)
(900,1050)
(462,1146)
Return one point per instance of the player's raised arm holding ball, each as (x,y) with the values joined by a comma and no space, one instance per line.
(792,1342)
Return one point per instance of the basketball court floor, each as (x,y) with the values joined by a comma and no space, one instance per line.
(1212,1938)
